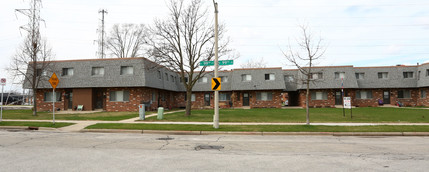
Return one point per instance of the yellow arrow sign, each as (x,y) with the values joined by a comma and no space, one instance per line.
(54,80)
(216,84)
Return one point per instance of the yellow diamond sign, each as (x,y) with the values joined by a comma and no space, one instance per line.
(54,80)
(216,84)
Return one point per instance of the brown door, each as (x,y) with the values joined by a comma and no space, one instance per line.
(245,99)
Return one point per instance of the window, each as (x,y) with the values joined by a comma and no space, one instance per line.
(418,75)
(40,72)
(224,78)
(269,76)
(186,80)
(264,96)
(340,75)
(361,94)
(67,72)
(382,75)
(154,96)
(224,96)
(97,71)
(404,94)
(159,74)
(127,70)
(193,97)
(360,75)
(166,76)
(172,78)
(422,94)
(120,96)
(48,96)
(408,74)
(289,78)
(427,72)
(202,80)
(319,95)
(246,77)
(316,75)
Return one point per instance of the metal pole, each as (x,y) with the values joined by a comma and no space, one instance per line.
(1,116)
(53,105)
(216,61)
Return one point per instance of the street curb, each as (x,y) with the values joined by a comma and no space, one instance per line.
(174,132)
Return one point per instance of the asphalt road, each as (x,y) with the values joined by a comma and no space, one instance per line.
(63,151)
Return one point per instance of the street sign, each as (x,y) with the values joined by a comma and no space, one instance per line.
(3,81)
(226,62)
(216,84)
(207,63)
(347,102)
(221,63)
(54,80)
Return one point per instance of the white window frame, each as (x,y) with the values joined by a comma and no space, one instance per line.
(127,70)
(246,77)
(289,78)
(224,78)
(264,96)
(203,79)
(47,96)
(119,96)
(406,94)
(384,75)
(338,75)
(407,75)
(97,71)
(319,95)
(224,96)
(360,75)
(364,94)
(67,72)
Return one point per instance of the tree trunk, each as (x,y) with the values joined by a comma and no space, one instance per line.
(188,102)
(34,103)
(307,109)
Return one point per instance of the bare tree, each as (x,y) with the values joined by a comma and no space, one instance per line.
(254,63)
(184,39)
(126,40)
(33,56)
(309,50)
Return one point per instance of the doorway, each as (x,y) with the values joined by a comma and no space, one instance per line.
(386,97)
(207,99)
(245,99)
(338,98)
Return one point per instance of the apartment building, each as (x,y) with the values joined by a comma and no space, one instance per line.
(123,84)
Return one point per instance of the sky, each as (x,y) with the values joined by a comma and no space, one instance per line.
(354,32)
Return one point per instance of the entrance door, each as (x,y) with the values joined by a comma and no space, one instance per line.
(245,99)
(99,99)
(386,97)
(70,106)
(338,98)
(207,99)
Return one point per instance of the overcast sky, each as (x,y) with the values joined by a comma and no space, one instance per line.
(355,32)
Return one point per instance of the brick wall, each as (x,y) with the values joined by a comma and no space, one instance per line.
(47,106)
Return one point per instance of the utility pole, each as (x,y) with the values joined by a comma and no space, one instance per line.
(101,36)
(216,64)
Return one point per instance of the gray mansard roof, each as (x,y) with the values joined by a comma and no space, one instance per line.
(149,74)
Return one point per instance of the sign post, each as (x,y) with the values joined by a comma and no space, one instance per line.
(54,83)
(348,104)
(3,83)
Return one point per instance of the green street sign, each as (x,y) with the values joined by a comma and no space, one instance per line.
(207,63)
(221,62)
(226,62)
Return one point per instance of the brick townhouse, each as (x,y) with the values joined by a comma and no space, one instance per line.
(123,84)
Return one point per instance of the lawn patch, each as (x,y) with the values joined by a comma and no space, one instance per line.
(34,124)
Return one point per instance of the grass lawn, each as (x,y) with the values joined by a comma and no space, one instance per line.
(103,116)
(34,124)
(263,128)
(363,114)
